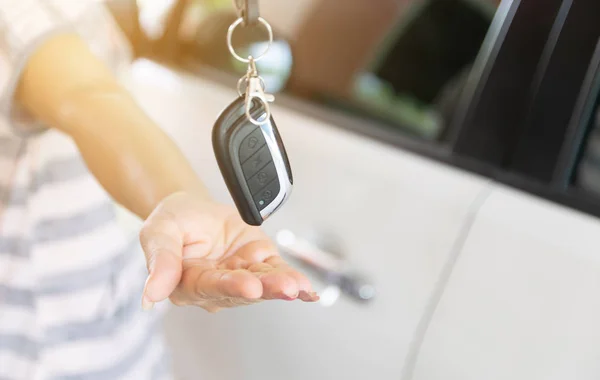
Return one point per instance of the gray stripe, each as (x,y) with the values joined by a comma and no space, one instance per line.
(80,224)
(14,197)
(19,345)
(54,172)
(99,328)
(85,278)
(15,246)
(16,297)
(10,147)
(60,170)
(72,332)
(60,229)
(72,282)
(125,365)
(51,230)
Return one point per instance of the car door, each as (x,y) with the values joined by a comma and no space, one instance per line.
(393,215)
(380,202)
(521,299)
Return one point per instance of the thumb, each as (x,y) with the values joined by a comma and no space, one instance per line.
(162,242)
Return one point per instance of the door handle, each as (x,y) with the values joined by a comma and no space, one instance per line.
(333,270)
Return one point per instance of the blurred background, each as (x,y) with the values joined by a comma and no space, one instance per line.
(446,160)
(397,61)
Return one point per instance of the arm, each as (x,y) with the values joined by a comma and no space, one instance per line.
(65,85)
(198,252)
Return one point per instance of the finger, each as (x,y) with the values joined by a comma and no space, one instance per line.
(305,293)
(302,281)
(161,241)
(230,302)
(279,285)
(256,251)
(308,296)
(234,262)
(204,283)
(276,283)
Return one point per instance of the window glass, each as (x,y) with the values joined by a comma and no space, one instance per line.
(588,171)
(399,62)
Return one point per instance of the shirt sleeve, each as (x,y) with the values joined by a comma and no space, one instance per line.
(26,24)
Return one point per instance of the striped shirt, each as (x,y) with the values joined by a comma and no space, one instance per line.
(71,277)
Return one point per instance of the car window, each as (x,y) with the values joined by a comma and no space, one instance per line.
(400,63)
(588,172)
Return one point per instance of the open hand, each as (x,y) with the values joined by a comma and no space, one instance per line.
(202,253)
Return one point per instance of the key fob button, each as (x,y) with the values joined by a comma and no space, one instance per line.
(251,144)
(262,178)
(252,160)
(257,161)
(265,196)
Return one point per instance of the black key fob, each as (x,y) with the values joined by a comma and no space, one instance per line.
(252,160)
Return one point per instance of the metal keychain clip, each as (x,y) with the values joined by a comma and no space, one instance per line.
(255,89)
(248,11)
(254,84)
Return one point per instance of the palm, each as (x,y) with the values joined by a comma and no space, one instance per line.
(227,263)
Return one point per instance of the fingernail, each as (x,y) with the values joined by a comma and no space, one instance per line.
(290,296)
(304,296)
(310,297)
(147,305)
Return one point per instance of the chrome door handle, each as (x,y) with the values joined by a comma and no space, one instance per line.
(332,269)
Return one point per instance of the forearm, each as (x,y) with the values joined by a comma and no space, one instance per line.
(135,161)
(66,86)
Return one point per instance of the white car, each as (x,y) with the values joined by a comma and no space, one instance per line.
(474,256)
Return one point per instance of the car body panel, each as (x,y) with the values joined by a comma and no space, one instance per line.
(395,215)
(522,301)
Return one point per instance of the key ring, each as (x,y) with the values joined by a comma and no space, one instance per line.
(235,24)
(255,90)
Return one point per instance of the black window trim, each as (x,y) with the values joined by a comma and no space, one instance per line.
(579,126)
(445,151)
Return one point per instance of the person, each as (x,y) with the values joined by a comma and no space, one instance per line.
(72,140)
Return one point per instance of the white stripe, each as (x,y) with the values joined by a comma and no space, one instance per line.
(77,307)
(15,272)
(5,69)
(95,355)
(17,321)
(80,252)
(71,9)
(121,264)
(64,199)
(13,173)
(14,367)
(14,222)
(53,145)
(117,297)
(147,364)
(25,20)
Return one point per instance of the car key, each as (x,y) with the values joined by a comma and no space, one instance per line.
(252,159)
(246,142)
